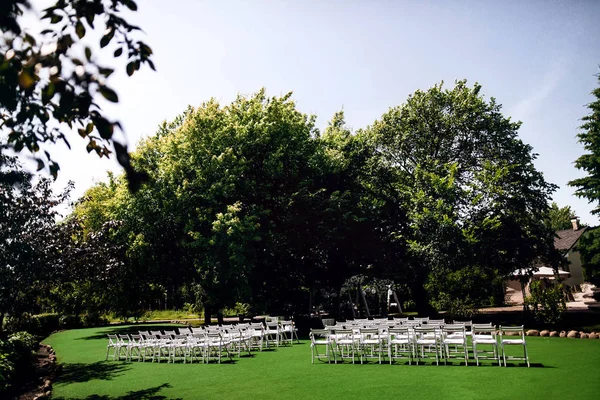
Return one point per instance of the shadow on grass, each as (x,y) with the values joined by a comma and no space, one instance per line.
(144,394)
(102,370)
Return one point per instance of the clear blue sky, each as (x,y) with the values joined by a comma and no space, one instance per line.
(538,59)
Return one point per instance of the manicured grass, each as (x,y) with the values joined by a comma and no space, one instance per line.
(561,369)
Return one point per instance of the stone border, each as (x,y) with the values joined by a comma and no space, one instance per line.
(570,334)
(46,370)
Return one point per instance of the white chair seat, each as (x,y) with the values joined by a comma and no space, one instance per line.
(486,341)
(512,341)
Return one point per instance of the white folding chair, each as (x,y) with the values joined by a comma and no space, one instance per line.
(519,340)
(438,322)
(321,337)
(400,344)
(148,344)
(369,343)
(178,349)
(197,347)
(346,344)
(134,347)
(467,324)
(272,333)
(257,335)
(115,345)
(124,346)
(484,336)
(216,347)
(427,342)
(162,348)
(454,341)
(289,331)
(240,340)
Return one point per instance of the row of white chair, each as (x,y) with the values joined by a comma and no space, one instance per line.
(202,344)
(416,342)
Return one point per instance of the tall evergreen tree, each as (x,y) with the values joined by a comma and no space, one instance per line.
(589,186)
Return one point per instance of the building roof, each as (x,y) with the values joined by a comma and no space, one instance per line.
(566,239)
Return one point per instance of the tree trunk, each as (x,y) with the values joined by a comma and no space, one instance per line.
(220,316)
(207,314)
(421,299)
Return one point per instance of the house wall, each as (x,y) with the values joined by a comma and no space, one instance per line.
(575,268)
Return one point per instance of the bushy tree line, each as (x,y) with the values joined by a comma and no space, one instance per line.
(251,203)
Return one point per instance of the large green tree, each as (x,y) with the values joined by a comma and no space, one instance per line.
(28,247)
(589,186)
(250,203)
(589,247)
(473,198)
(559,217)
(50,81)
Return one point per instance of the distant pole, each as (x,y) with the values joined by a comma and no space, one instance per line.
(364,300)
(397,301)
(351,302)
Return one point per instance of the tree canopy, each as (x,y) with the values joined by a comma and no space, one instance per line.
(589,186)
(50,81)
(250,203)
(473,199)
(560,217)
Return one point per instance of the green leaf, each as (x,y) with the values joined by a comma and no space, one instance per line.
(48,93)
(118,52)
(105,128)
(54,169)
(151,64)
(131,68)
(26,80)
(89,17)
(107,37)
(105,71)
(109,94)
(88,53)
(55,19)
(131,5)
(79,29)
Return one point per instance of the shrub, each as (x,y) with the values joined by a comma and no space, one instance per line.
(45,324)
(455,308)
(240,309)
(16,323)
(409,305)
(69,321)
(41,325)
(94,319)
(16,359)
(23,346)
(546,303)
(7,366)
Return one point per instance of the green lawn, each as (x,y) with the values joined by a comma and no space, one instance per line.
(561,369)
